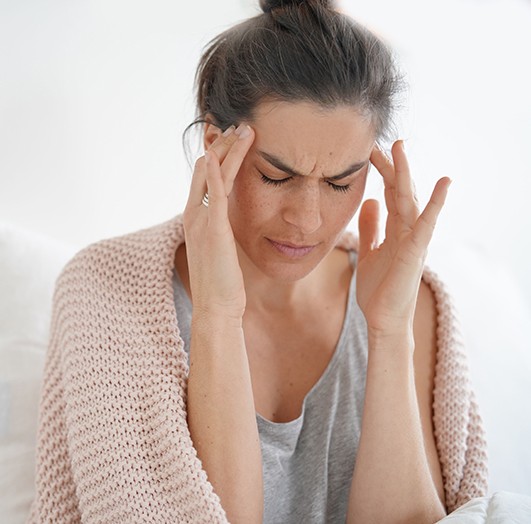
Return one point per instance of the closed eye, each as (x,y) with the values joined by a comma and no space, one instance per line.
(336,187)
(274,181)
(280,181)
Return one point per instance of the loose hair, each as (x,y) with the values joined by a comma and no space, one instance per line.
(296,50)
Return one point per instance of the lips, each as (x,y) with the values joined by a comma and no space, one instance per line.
(291,250)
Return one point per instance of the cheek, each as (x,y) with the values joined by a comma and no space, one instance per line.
(352,200)
(248,201)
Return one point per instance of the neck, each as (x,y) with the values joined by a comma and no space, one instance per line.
(265,294)
(269,295)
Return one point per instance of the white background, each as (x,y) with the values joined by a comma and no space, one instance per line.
(94,97)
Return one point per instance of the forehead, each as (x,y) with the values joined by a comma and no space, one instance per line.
(304,132)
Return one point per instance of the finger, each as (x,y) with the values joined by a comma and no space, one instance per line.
(368,227)
(231,136)
(405,197)
(217,198)
(220,147)
(390,201)
(425,224)
(384,165)
(235,156)
(198,184)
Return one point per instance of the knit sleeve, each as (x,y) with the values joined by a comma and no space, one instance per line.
(55,499)
(474,483)
(113,441)
(458,428)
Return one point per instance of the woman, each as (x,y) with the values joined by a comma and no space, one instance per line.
(248,361)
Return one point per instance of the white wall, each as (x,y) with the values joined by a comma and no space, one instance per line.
(94,97)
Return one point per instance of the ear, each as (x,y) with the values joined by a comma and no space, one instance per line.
(210,132)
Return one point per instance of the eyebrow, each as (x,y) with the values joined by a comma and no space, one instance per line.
(279,164)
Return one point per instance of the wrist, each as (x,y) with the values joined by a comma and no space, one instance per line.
(391,341)
(214,320)
(391,354)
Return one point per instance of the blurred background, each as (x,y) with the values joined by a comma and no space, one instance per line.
(95,95)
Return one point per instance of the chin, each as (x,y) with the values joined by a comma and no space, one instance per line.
(284,264)
(286,273)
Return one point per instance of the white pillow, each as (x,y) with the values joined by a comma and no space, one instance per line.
(29,266)
(503,507)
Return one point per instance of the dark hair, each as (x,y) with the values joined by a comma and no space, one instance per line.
(296,50)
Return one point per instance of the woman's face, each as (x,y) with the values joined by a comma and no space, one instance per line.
(299,185)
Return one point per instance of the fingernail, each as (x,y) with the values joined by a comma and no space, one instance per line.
(243,131)
(228,131)
(207,156)
(403,144)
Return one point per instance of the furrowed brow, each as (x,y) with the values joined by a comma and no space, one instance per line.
(279,164)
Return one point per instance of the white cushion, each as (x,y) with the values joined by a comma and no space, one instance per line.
(502,507)
(29,265)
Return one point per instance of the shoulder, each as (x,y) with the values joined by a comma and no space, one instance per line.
(348,241)
(425,335)
(153,244)
(110,271)
(425,357)
(425,322)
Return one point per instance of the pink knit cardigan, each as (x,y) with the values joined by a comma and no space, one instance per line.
(113,441)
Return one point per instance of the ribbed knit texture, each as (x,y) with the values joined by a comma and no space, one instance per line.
(113,442)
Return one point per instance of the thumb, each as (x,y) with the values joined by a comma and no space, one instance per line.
(368,226)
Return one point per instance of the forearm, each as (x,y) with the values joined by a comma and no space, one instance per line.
(392,482)
(222,418)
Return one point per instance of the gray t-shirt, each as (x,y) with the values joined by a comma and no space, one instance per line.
(308,462)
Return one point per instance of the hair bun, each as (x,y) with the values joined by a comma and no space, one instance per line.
(268,5)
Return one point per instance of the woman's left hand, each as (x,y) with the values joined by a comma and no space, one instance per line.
(389,274)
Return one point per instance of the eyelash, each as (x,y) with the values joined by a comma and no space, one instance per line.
(277,183)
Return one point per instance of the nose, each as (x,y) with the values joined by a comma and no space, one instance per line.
(303,209)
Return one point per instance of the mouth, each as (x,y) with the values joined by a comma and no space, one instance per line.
(291,250)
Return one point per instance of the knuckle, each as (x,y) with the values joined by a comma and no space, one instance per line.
(187,218)
(223,143)
(199,163)
(428,223)
(228,140)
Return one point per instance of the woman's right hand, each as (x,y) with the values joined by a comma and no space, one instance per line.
(220,401)
(216,280)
